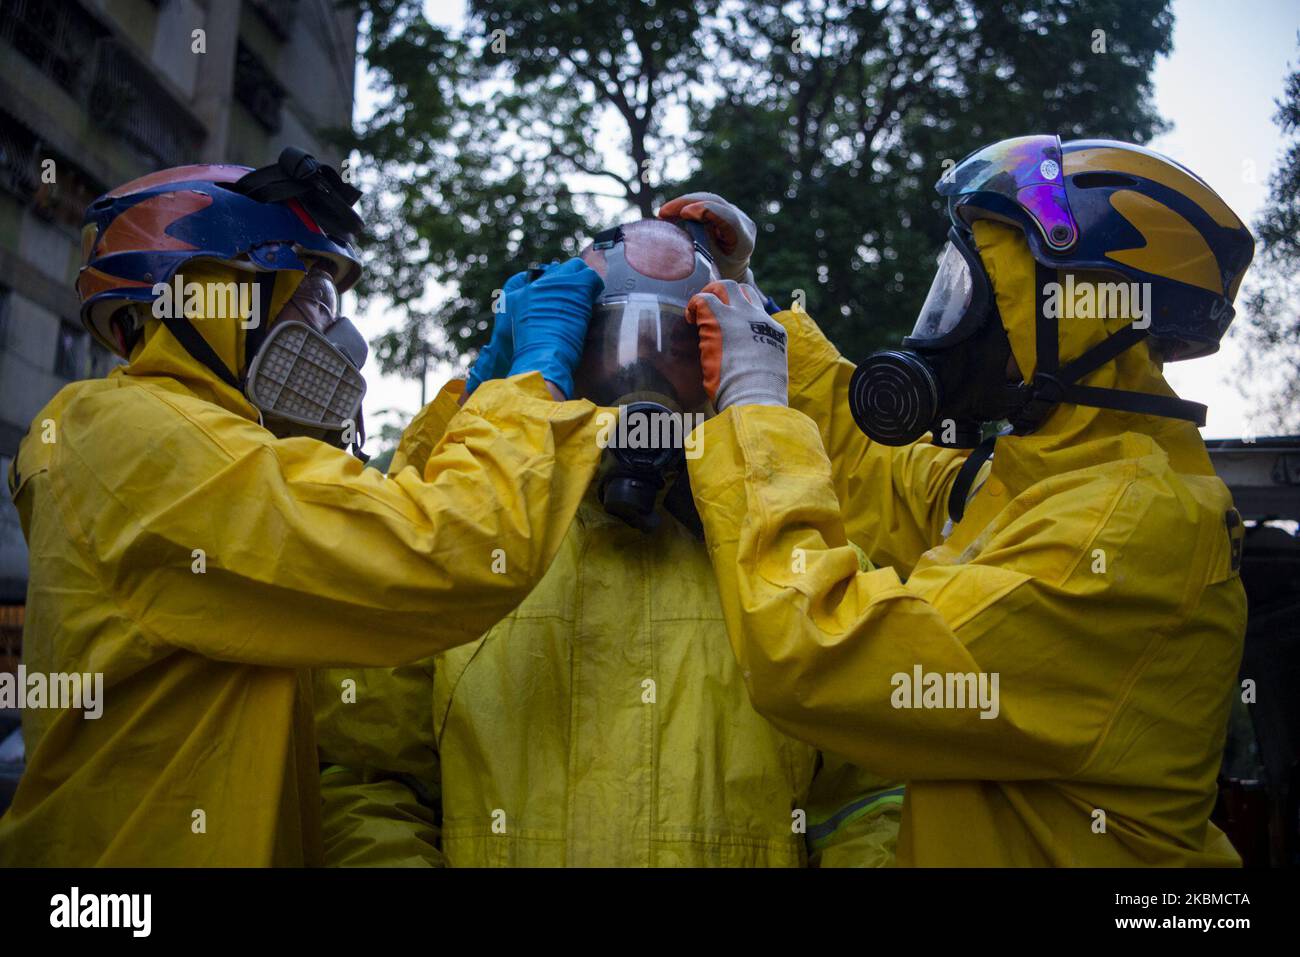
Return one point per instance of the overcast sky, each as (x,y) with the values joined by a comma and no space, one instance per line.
(1217,89)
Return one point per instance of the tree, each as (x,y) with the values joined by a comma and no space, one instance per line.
(481,136)
(1271,333)
(829,121)
(850,113)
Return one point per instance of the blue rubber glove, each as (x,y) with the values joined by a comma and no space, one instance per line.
(550,325)
(494,359)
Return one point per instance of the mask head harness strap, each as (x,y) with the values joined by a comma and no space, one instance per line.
(1053,383)
(607,238)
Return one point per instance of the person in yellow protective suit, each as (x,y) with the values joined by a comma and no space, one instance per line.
(1048,662)
(604,722)
(201,565)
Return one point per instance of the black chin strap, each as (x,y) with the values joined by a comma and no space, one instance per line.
(966,478)
(1053,383)
(185,333)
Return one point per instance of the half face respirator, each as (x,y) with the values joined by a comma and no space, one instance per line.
(643,357)
(304,368)
(305,375)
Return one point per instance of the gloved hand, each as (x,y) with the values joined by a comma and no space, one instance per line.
(550,324)
(494,359)
(733,232)
(742,348)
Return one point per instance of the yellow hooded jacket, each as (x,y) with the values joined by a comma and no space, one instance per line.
(604,723)
(1093,574)
(202,565)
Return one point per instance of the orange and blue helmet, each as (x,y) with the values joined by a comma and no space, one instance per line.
(1115,207)
(142,233)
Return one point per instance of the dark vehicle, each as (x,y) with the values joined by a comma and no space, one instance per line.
(1259,787)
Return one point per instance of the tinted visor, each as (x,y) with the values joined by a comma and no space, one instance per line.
(1027,172)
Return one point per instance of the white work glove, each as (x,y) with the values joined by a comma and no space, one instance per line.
(742,348)
(732,231)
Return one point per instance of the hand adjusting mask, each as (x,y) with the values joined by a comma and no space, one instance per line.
(642,356)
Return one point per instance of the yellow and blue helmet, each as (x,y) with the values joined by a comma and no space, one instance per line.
(1115,207)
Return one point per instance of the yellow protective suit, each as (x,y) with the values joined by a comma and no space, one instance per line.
(603,723)
(202,565)
(1093,573)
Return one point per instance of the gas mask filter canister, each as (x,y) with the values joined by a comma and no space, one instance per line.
(305,376)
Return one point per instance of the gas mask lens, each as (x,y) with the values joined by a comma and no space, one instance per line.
(957,300)
(949,297)
(640,348)
(639,345)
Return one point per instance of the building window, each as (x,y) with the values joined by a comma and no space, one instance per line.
(125,99)
(58,37)
(279,15)
(4,314)
(18,166)
(70,353)
(101,361)
(257,89)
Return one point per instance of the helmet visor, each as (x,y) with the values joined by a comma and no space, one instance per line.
(1028,172)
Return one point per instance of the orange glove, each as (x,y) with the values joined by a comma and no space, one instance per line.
(742,348)
(732,231)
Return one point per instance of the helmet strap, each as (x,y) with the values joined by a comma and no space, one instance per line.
(1053,383)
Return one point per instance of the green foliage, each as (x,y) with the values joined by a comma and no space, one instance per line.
(492,145)
(1271,332)
(835,147)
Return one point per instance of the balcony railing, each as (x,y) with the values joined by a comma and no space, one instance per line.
(125,99)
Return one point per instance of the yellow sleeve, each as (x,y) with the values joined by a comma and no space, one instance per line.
(380,780)
(894,500)
(428,426)
(829,649)
(185,511)
(853,816)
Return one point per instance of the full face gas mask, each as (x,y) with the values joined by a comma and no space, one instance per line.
(950,376)
(643,357)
